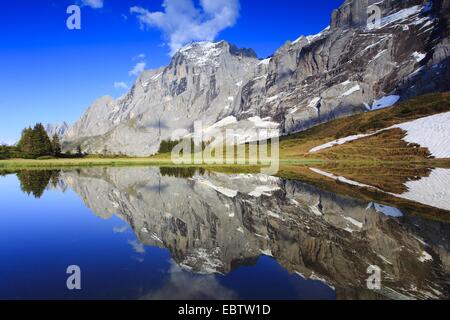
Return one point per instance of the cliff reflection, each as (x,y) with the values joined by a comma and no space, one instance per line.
(213,223)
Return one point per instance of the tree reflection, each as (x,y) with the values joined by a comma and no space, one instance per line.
(36,181)
(181,172)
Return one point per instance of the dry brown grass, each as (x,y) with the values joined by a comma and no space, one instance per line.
(386,146)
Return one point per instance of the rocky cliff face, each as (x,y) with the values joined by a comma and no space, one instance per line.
(350,67)
(57,128)
(214,223)
(201,83)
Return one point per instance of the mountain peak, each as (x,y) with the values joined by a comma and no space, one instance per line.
(202,53)
(57,128)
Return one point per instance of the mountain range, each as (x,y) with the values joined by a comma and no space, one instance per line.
(348,68)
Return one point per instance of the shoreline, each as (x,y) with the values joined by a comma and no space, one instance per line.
(95,162)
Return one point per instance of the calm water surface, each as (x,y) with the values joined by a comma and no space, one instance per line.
(150,233)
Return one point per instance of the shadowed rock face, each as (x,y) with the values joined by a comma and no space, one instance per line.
(214,223)
(314,79)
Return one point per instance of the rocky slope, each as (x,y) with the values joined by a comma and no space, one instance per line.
(57,128)
(214,223)
(350,67)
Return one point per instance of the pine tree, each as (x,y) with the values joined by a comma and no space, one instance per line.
(35,142)
(26,141)
(56,145)
(41,144)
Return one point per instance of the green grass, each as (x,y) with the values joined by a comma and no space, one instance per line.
(158,161)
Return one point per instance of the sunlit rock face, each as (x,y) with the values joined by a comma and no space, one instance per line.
(347,68)
(59,129)
(214,223)
(200,84)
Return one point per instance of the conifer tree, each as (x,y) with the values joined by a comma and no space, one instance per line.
(42,145)
(35,142)
(56,145)
(26,144)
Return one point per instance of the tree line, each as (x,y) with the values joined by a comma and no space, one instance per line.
(166,146)
(35,143)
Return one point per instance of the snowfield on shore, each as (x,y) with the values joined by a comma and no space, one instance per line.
(431,132)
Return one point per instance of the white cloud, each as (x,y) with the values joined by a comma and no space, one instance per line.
(139,57)
(181,22)
(137,69)
(95,4)
(121,229)
(121,85)
(137,246)
(186,285)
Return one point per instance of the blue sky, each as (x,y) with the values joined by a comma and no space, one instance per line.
(52,74)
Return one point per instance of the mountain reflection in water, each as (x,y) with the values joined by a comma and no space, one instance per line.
(215,224)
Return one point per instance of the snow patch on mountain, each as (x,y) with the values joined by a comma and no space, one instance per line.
(271,99)
(341,141)
(419,56)
(425,257)
(354,222)
(265,62)
(396,17)
(311,38)
(431,132)
(351,91)
(242,131)
(263,123)
(201,53)
(222,123)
